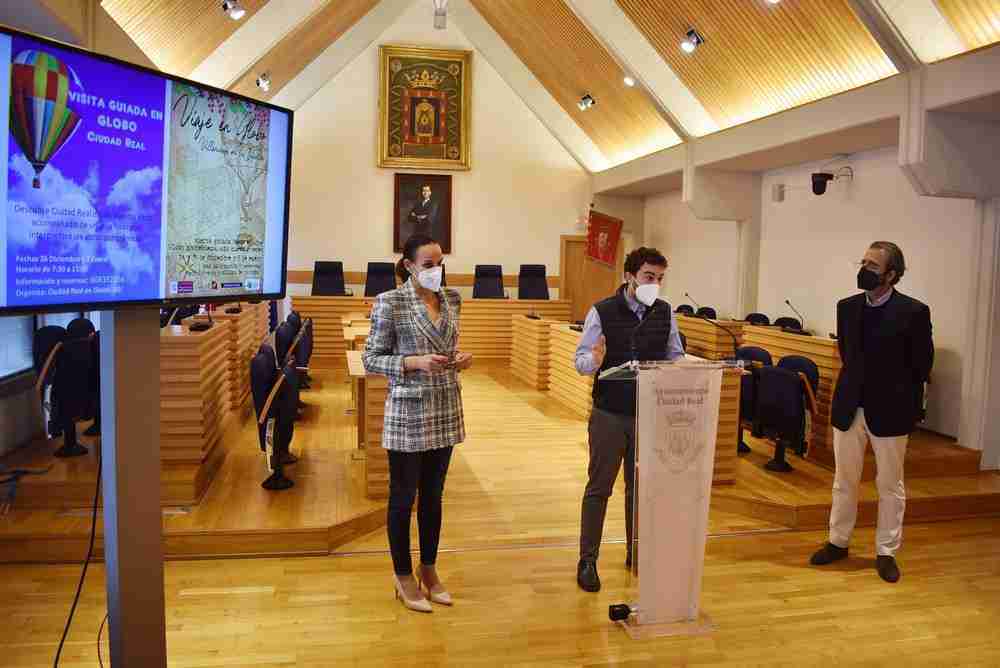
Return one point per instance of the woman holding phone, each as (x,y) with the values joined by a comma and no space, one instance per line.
(414,342)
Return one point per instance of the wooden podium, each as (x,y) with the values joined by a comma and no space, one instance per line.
(531,351)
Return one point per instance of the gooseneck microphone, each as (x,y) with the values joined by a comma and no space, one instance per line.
(801,318)
(736,342)
(691,299)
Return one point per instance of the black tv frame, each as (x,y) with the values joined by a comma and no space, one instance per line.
(165,302)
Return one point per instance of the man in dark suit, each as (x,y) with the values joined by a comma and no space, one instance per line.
(423,215)
(887,353)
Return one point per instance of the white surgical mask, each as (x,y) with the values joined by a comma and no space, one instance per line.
(430,279)
(647,294)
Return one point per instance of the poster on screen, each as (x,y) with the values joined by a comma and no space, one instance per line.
(121,185)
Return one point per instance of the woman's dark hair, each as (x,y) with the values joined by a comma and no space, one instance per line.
(641,256)
(410,248)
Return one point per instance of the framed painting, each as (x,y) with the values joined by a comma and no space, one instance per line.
(424,108)
(422,205)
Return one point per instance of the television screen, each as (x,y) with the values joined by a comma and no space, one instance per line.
(126,186)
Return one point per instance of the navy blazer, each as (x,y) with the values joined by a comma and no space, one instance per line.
(898,369)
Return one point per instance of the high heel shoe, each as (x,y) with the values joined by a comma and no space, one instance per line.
(420,604)
(437,593)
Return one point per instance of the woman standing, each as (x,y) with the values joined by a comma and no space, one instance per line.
(413,341)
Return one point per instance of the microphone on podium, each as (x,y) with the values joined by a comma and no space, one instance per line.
(736,342)
(691,299)
(801,318)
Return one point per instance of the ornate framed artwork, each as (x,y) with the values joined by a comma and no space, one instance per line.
(424,108)
(422,205)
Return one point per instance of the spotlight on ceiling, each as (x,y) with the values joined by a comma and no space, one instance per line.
(233,8)
(586,102)
(629,81)
(773,2)
(440,14)
(264,82)
(691,41)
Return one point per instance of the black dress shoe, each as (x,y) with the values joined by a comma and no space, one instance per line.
(887,568)
(828,554)
(586,576)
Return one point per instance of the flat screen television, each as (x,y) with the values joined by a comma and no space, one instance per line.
(124,186)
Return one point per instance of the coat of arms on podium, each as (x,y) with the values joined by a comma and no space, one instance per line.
(424,105)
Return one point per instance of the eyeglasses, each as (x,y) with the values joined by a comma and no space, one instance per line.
(867,264)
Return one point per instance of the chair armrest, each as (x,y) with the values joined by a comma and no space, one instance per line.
(40,383)
(270,400)
(811,398)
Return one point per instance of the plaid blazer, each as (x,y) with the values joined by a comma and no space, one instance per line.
(423,411)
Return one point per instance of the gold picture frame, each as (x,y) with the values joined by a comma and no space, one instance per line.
(424,108)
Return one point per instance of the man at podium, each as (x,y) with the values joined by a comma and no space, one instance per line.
(632,324)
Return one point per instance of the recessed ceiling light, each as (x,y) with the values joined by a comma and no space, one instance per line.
(629,81)
(774,2)
(264,82)
(233,8)
(691,41)
(586,102)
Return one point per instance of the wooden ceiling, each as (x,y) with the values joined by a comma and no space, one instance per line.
(177,35)
(569,61)
(977,22)
(301,46)
(759,58)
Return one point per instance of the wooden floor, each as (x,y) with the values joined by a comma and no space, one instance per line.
(509,550)
(521,607)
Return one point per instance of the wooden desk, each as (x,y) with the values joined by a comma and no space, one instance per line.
(244,340)
(371,391)
(574,391)
(530,350)
(485,327)
(826,355)
(329,344)
(567,386)
(355,336)
(708,341)
(195,407)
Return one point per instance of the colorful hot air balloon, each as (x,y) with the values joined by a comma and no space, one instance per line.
(40,119)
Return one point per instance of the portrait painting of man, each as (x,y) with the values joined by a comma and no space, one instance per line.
(422,206)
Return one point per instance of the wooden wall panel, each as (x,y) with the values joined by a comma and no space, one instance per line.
(569,61)
(758,58)
(177,35)
(977,22)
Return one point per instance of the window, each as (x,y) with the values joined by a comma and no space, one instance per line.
(16,337)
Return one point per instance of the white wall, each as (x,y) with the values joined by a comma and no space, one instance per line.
(808,245)
(523,192)
(702,255)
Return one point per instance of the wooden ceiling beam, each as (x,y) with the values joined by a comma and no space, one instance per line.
(896,47)
(301,46)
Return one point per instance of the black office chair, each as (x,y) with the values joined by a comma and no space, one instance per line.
(45,362)
(95,386)
(263,376)
(706,312)
(757,319)
(295,320)
(787,322)
(283,338)
(305,351)
(71,387)
(531,282)
(754,357)
(807,368)
(781,408)
(488,282)
(684,309)
(272,316)
(328,279)
(381,278)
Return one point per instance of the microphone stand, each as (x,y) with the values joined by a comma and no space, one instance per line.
(736,342)
(801,318)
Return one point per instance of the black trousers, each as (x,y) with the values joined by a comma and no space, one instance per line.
(612,441)
(409,473)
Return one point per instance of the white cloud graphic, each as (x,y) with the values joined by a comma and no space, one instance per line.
(130,189)
(135,191)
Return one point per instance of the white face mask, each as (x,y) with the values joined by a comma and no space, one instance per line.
(647,294)
(430,279)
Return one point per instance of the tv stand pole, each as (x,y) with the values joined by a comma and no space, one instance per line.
(130,464)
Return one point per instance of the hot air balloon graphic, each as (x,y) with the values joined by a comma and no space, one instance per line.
(40,119)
